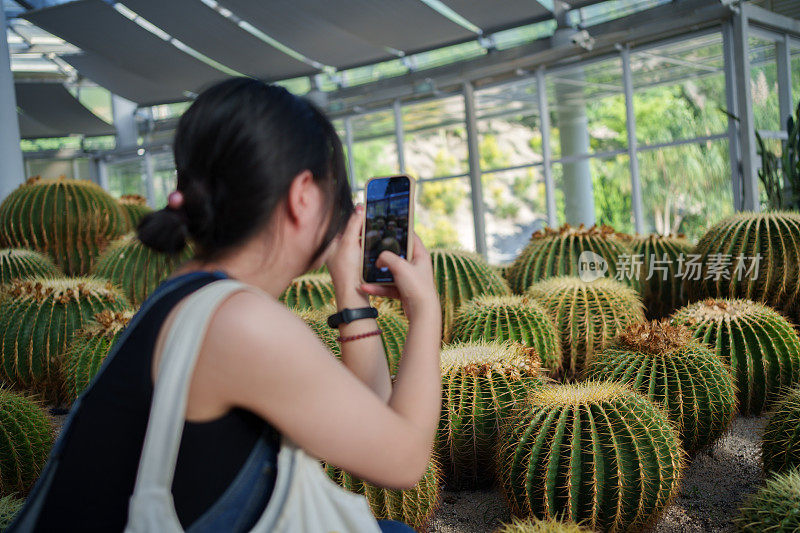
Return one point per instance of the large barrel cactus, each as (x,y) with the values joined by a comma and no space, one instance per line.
(89,348)
(760,345)
(134,207)
(780,447)
(555,252)
(309,291)
(667,365)
(413,506)
(461,276)
(37,320)
(594,453)
(135,268)
(534,525)
(755,256)
(17,263)
(510,318)
(659,274)
(26,436)
(70,220)
(586,315)
(775,507)
(481,384)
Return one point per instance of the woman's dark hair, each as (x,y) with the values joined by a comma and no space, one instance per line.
(237,150)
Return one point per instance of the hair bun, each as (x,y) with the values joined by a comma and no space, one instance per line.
(163,230)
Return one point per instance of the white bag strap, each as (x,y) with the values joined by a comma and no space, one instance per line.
(170,396)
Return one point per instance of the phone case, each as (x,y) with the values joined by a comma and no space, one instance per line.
(410,244)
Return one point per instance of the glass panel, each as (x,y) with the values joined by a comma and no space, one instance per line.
(435,138)
(443,217)
(164,178)
(764,84)
(127,177)
(374,146)
(794,50)
(686,188)
(611,182)
(515,208)
(679,91)
(50,168)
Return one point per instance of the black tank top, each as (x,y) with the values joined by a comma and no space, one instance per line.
(101,450)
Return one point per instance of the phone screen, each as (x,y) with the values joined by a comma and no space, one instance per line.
(386,224)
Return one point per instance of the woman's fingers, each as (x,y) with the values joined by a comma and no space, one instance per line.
(353,229)
(380,290)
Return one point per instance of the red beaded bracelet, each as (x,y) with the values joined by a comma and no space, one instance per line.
(356,337)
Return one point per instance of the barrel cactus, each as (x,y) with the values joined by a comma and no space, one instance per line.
(780,447)
(761,347)
(135,268)
(594,453)
(775,507)
(134,207)
(664,363)
(481,384)
(37,320)
(732,246)
(9,507)
(586,315)
(309,291)
(413,506)
(534,525)
(461,276)
(89,348)
(510,318)
(70,220)
(555,252)
(659,274)
(26,436)
(17,263)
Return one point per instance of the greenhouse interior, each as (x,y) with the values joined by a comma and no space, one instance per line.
(609,191)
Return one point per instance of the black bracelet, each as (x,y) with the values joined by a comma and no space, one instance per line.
(345,316)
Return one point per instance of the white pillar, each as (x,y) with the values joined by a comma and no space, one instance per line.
(732,103)
(124,113)
(747,135)
(348,142)
(476,186)
(149,169)
(399,135)
(630,120)
(13,171)
(547,156)
(785,98)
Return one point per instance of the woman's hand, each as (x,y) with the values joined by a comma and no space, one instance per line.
(344,264)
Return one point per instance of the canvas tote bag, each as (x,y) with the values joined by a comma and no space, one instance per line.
(304,499)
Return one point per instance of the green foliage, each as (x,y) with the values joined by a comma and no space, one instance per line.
(663,291)
(9,507)
(70,220)
(481,385)
(309,291)
(552,253)
(510,318)
(671,368)
(442,197)
(594,453)
(780,447)
(26,436)
(534,525)
(775,507)
(780,175)
(440,234)
(459,277)
(89,348)
(134,207)
(761,347)
(413,507)
(17,263)
(775,238)
(586,315)
(135,268)
(37,320)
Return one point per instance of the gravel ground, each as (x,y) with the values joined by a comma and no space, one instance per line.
(714,484)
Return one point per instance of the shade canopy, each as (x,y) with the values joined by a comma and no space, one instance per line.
(49,110)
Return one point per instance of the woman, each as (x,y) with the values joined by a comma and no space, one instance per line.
(263,195)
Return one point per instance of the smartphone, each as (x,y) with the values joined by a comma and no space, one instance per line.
(388,225)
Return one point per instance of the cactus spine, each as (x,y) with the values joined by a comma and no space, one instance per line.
(593,453)
(667,365)
(760,345)
(774,508)
(26,436)
(481,384)
(663,291)
(413,507)
(534,525)
(17,263)
(554,253)
(70,220)
(510,318)
(37,320)
(135,268)
(309,291)
(134,207)
(775,238)
(586,315)
(9,507)
(780,447)
(459,277)
(89,348)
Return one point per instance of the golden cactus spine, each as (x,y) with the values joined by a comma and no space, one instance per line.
(26,436)
(780,445)
(309,291)
(659,279)
(17,263)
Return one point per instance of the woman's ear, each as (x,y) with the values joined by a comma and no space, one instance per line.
(303,198)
